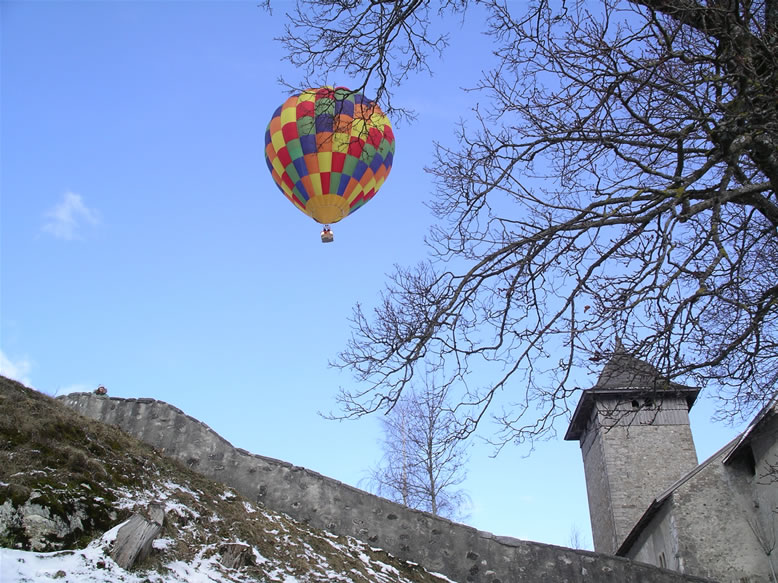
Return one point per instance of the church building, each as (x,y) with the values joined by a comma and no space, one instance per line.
(652,501)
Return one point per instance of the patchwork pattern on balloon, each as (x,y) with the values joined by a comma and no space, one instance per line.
(329,150)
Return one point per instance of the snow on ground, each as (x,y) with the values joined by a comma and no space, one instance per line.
(94,565)
(174,486)
(228,495)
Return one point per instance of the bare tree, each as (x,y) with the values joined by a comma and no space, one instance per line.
(576,539)
(383,42)
(618,179)
(423,463)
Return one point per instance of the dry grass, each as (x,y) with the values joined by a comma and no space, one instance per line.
(56,458)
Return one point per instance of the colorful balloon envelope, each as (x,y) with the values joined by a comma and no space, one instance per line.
(329,151)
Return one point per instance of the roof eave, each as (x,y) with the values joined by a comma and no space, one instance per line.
(583,410)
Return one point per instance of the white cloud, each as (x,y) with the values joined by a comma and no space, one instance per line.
(67,219)
(17,370)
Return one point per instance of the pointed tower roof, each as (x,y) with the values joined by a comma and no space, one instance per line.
(625,371)
(627,377)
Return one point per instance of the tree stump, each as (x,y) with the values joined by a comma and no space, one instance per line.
(133,541)
(236,555)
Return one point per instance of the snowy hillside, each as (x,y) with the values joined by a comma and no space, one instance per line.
(68,484)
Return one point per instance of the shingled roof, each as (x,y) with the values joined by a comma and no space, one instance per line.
(625,376)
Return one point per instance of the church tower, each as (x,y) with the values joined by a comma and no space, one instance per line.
(633,428)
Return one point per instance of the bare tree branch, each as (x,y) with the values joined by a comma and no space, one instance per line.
(423,462)
(380,43)
(618,178)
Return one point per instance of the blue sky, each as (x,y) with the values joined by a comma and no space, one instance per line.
(145,247)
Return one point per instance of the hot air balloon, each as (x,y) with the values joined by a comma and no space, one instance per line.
(329,150)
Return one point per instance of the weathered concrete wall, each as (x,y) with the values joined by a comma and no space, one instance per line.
(461,553)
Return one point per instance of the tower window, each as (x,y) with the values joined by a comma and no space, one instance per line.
(649,402)
(635,404)
(662,560)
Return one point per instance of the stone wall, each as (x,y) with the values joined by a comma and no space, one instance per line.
(764,479)
(708,526)
(631,456)
(711,515)
(462,553)
(598,492)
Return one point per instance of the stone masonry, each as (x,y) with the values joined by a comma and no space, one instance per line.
(633,428)
(626,464)
(462,553)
